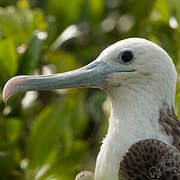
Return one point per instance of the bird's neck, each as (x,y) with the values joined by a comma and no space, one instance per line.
(135,116)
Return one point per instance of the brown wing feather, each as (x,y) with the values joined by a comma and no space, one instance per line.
(170,125)
(150,159)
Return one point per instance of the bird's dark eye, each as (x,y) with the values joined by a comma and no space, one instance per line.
(126,57)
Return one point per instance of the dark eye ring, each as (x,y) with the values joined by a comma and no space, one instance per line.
(126,57)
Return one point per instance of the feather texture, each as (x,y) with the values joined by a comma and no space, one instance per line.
(150,159)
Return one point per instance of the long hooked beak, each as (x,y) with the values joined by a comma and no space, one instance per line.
(92,75)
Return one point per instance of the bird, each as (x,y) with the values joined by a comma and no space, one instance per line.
(143,137)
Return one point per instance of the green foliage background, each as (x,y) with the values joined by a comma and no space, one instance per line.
(55,134)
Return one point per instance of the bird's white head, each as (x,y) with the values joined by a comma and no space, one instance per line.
(130,66)
(145,70)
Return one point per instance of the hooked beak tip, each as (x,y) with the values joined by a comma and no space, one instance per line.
(10,87)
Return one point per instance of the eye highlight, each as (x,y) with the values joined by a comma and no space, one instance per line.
(126,57)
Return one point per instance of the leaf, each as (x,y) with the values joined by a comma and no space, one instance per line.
(19,23)
(63,61)
(66,11)
(29,60)
(44,135)
(174,8)
(22,4)
(71,161)
(10,154)
(13,128)
(95,105)
(163,8)
(8,58)
(96,8)
(142,12)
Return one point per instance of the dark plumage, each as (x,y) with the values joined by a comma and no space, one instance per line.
(150,159)
(170,125)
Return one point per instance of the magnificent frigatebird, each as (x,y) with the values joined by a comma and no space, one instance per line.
(143,138)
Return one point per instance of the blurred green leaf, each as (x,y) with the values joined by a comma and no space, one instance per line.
(20,22)
(67,11)
(49,125)
(95,104)
(29,60)
(64,61)
(145,6)
(96,8)
(13,129)
(8,58)
(174,8)
(10,154)
(162,7)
